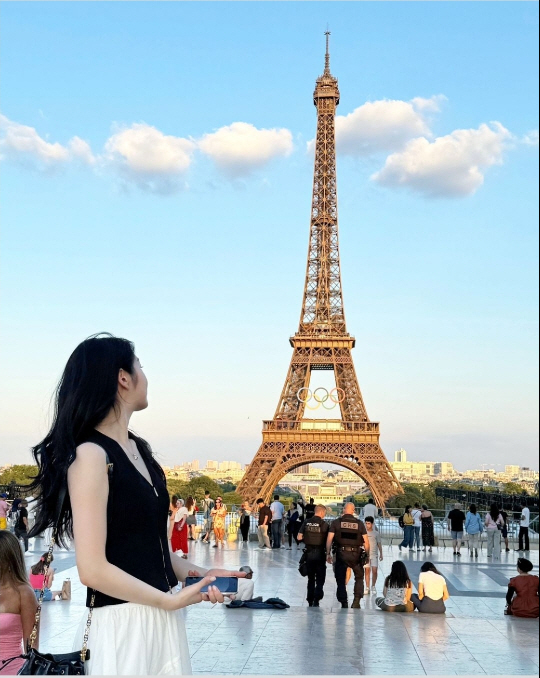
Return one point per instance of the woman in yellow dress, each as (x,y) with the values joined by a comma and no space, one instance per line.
(219,513)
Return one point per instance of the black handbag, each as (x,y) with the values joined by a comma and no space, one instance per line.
(302,565)
(44,664)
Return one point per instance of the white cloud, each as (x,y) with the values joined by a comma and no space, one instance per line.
(150,159)
(531,138)
(384,125)
(24,145)
(449,166)
(241,148)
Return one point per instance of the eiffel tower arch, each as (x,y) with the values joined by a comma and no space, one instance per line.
(322,342)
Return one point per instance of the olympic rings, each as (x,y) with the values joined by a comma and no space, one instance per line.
(321,396)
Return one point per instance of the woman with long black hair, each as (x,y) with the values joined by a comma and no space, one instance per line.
(397,590)
(122,555)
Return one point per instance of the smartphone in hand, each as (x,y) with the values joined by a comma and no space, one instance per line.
(226,585)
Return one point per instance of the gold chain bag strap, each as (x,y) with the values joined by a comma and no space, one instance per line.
(71,663)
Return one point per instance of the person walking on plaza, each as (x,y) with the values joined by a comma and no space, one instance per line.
(293,524)
(474,527)
(524,523)
(277,509)
(309,509)
(408,529)
(456,520)
(371,568)
(18,604)
(416,513)
(179,539)
(265,518)
(244,513)
(4,508)
(370,510)
(522,595)
(397,590)
(21,524)
(173,509)
(428,529)
(314,533)
(219,516)
(493,523)
(122,554)
(208,505)
(352,548)
(504,531)
(432,591)
(191,507)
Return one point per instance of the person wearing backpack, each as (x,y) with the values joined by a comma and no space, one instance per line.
(474,527)
(407,521)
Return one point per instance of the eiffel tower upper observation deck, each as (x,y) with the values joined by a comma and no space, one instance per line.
(321,343)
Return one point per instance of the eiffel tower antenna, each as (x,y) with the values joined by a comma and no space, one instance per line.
(321,343)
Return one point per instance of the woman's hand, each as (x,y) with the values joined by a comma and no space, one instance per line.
(216,572)
(190,595)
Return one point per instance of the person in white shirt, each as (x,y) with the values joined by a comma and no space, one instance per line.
(371,568)
(278,510)
(432,591)
(370,510)
(524,522)
(417,517)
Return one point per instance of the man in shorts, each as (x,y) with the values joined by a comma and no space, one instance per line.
(371,568)
(456,520)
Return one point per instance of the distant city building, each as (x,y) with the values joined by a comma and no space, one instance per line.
(301,470)
(211,465)
(400,456)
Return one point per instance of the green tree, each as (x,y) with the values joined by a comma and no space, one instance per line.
(513,488)
(20,474)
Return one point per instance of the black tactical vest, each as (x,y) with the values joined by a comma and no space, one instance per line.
(348,531)
(314,531)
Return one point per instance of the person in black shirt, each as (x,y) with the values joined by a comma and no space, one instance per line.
(123,556)
(456,519)
(21,524)
(504,531)
(313,533)
(352,546)
(265,518)
(310,508)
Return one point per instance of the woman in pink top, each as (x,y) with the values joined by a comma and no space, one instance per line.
(494,523)
(40,573)
(18,604)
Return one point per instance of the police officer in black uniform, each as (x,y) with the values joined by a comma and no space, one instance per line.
(352,546)
(313,533)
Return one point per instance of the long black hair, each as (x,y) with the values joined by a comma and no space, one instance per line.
(86,393)
(472,508)
(429,567)
(398,577)
(494,511)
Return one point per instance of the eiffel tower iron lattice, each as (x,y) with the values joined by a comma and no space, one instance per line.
(321,343)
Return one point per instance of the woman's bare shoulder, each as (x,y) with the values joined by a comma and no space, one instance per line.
(27,595)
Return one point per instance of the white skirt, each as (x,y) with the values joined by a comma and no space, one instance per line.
(135,640)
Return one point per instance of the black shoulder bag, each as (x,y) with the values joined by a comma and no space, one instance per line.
(44,664)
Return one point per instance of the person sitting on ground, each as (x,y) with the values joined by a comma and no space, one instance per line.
(18,604)
(41,573)
(522,596)
(432,591)
(397,590)
(371,568)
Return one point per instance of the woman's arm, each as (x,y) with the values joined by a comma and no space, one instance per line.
(420,590)
(445,594)
(510,594)
(408,592)
(184,568)
(49,576)
(89,490)
(28,613)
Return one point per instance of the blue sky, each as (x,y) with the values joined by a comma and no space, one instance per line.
(156,184)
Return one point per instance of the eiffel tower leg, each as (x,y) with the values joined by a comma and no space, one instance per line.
(262,469)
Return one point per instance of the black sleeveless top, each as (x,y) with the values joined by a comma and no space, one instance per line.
(137,520)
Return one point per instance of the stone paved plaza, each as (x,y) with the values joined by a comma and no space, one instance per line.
(473,638)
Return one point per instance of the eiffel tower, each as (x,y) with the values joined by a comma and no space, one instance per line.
(321,343)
